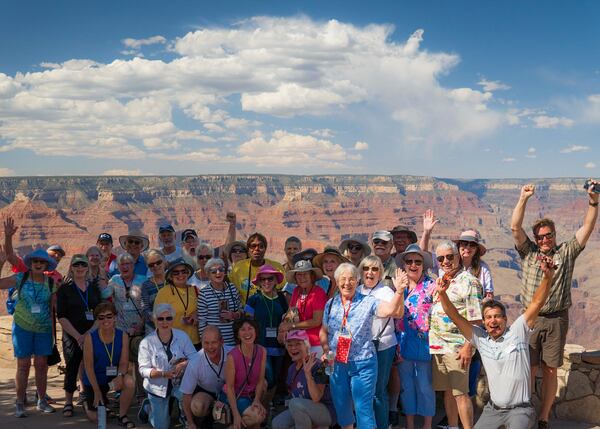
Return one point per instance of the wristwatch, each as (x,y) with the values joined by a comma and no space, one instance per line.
(593,204)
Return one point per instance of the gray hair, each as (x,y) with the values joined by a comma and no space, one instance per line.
(447,245)
(342,268)
(161,308)
(124,257)
(214,262)
(205,246)
(156,253)
(370,260)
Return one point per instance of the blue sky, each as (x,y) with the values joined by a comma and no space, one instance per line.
(449,89)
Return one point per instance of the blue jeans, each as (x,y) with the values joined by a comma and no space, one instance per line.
(354,383)
(385,358)
(159,415)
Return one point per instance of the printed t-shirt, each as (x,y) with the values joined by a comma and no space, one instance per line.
(33,296)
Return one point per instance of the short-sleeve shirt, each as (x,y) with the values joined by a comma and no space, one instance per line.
(307,304)
(32,295)
(268,311)
(204,373)
(465,294)
(564,256)
(506,363)
(243,273)
(414,326)
(298,386)
(361,314)
(209,309)
(382,325)
(72,304)
(128,302)
(184,301)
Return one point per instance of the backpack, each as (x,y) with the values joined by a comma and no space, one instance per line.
(14,292)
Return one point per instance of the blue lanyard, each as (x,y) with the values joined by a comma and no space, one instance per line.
(85,300)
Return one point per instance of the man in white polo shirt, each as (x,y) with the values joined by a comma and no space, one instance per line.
(505,354)
(204,376)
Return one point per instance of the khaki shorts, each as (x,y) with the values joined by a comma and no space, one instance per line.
(447,374)
(547,342)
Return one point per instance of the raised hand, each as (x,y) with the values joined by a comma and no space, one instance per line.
(527,191)
(547,265)
(590,190)
(311,359)
(2,256)
(401,280)
(429,220)
(441,286)
(9,227)
(231,218)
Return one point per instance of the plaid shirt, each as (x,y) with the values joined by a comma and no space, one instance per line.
(564,256)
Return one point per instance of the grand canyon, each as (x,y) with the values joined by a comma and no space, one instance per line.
(72,211)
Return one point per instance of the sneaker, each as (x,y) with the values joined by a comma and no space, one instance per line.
(143,412)
(46,397)
(542,424)
(20,410)
(44,406)
(81,398)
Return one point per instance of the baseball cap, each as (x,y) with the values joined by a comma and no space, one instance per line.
(382,235)
(165,228)
(105,236)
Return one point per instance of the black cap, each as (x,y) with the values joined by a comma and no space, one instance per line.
(165,228)
(105,236)
(187,232)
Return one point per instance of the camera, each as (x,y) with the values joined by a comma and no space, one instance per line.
(595,188)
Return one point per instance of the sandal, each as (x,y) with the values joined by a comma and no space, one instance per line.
(124,421)
(67,410)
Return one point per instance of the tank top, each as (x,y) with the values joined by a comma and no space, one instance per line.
(244,367)
(101,357)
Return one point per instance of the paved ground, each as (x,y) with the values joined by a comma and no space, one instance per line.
(37,420)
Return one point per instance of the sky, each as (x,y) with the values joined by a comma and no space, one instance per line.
(462,89)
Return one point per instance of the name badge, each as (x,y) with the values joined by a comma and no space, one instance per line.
(111,371)
(89,315)
(271,333)
(36,309)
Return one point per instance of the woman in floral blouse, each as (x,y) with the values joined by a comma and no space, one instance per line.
(418,397)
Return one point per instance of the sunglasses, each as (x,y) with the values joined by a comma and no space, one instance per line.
(374,269)
(217,270)
(39,261)
(548,236)
(204,257)
(109,316)
(238,250)
(257,246)
(267,279)
(179,272)
(80,265)
(417,262)
(162,319)
(449,257)
(377,241)
(134,242)
(355,247)
(154,264)
(467,244)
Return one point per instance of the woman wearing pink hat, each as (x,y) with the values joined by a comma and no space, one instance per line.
(471,249)
(267,307)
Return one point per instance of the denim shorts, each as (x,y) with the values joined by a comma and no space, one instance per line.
(27,343)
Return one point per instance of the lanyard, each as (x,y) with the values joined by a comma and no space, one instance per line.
(187,298)
(304,301)
(248,370)
(225,286)
(269,310)
(85,300)
(210,365)
(345,318)
(291,386)
(112,349)
(166,347)
(36,291)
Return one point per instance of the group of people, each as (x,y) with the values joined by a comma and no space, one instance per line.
(337,337)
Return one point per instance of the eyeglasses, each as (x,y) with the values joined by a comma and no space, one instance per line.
(257,246)
(39,261)
(267,279)
(217,270)
(80,265)
(374,269)
(377,241)
(467,244)
(417,262)
(238,250)
(154,264)
(204,257)
(355,247)
(542,237)
(179,272)
(449,258)
(162,319)
(108,316)
(134,242)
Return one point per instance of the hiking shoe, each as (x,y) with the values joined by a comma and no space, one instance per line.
(44,406)
(20,410)
(542,424)
(143,412)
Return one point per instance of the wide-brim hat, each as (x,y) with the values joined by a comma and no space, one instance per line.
(40,254)
(402,228)
(177,262)
(414,248)
(297,334)
(268,269)
(329,250)
(473,236)
(78,257)
(233,244)
(57,248)
(304,255)
(135,234)
(302,266)
(366,247)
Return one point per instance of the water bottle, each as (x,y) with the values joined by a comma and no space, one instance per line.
(101,416)
(330,362)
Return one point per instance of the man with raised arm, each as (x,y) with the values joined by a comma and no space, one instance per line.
(505,353)
(550,332)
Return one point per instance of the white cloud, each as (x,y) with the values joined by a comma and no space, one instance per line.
(590,165)
(119,172)
(138,43)
(544,121)
(575,148)
(492,85)
(531,153)
(508,159)
(6,172)
(361,146)
(325,133)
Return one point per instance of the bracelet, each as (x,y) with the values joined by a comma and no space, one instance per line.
(593,204)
